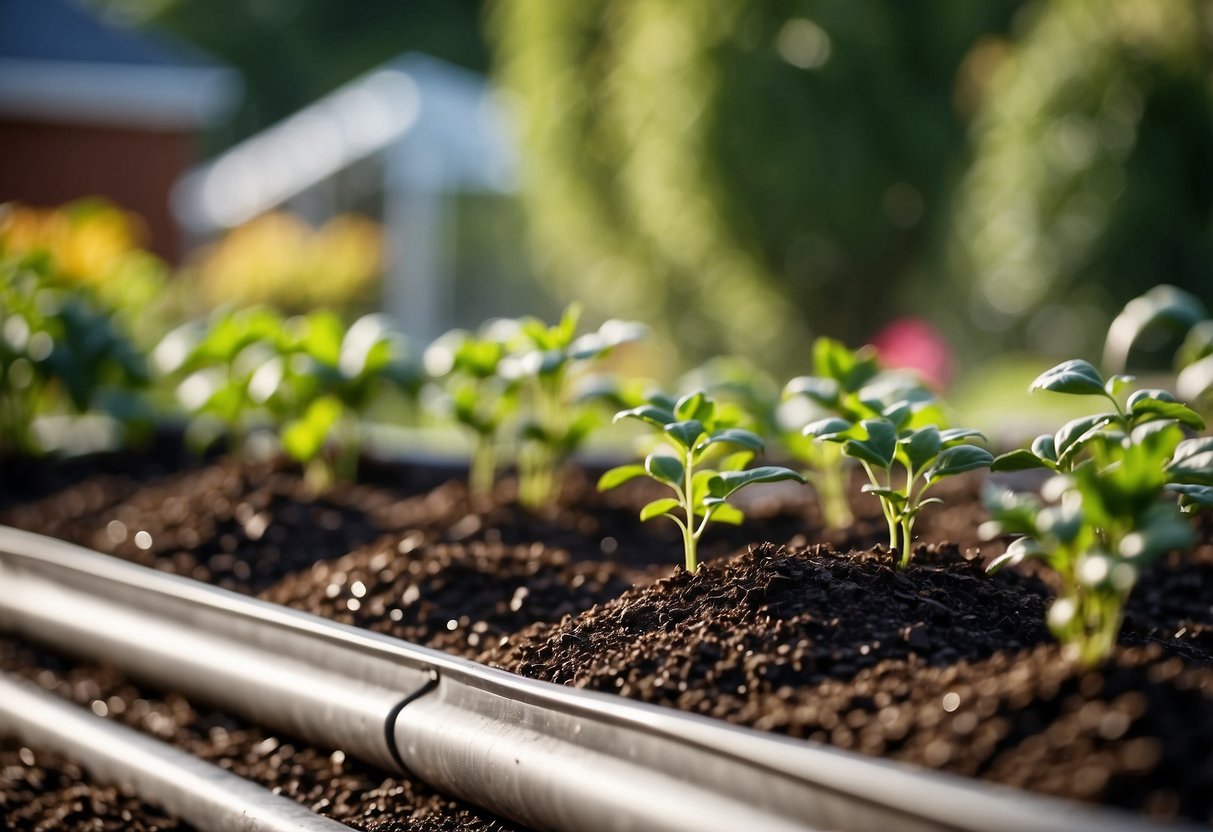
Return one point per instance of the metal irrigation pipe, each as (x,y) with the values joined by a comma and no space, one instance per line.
(550,757)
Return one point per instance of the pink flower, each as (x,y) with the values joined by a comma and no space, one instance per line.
(914,344)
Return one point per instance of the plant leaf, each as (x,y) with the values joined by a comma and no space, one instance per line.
(1075,376)
(1076,433)
(1020,549)
(823,391)
(685,433)
(1045,447)
(736,461)
(737,436)
(953,435)
(652,414)
(731,481)
(658,508)
(1019,460)
(665,468)
(618,476)
(957,460)
(880,446)
(827,429)
(1154,408)
(890,494)
(921,446)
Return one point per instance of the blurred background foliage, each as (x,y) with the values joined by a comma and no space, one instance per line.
(742,174)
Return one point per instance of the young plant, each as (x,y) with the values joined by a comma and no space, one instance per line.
(848,384)
(556,419)
(212,364)
(695,434)
(1108,519)
(1142,412)
(60,352)
(322,383)
(477,396)
(899,439)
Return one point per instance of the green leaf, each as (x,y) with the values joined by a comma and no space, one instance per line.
(1158,404)
(618,476)
(1162,307)
(827,428)
(823,391)
(731,481)
(953,435)
(652,414)
(665,468)
(1191,495)
(1045,447)
(724,513)
(921,446)
(737,436)
(1019,550)
(658,508)
(1074,434)
(878,448)
(1076,377)
(305,438)
(1117,383)
(892,495)
(1019,460)
(1195,381)
(957,460)
(696,406)
(685,433)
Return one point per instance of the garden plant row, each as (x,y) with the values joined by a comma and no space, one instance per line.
(907,649)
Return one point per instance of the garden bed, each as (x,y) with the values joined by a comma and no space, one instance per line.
(808,634)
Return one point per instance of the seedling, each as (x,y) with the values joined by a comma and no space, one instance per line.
(694,434)
(476,395)
(848,384)
(60,351)
(897,439)
(1109,518)
(556,419)
(322,383)
(1143,412)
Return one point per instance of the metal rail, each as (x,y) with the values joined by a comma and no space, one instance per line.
(550,757)
(203,794)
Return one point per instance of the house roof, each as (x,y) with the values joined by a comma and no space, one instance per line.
(59,62)
(439,127)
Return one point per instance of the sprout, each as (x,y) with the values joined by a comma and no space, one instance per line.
(694,433)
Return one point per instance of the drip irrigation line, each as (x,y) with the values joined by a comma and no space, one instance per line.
(547,756)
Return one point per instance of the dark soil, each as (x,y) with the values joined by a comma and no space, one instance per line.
(939,665)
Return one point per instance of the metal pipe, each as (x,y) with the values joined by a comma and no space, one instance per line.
(202,794)
(551,757)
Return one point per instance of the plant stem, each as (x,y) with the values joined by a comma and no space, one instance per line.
(831,484)
(690,536)
(483,472)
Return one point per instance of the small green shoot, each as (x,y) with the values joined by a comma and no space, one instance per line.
(897,439)
(477,396)
(556,419)
(695,434)
(1106,521)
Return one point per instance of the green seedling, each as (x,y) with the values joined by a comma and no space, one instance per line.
(1142,413)
(476,396)
(693,436)
(321,384)
(212,364)
(556,417)
(1107,520)
(903,458)
(61,352)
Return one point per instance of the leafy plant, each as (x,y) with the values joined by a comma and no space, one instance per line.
(901,437)
(1143,411)
(1112,513)
(691,428)
(477,396)
(556,419)
(1161,317)
(60,351)
(1109,518)
(322,383)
